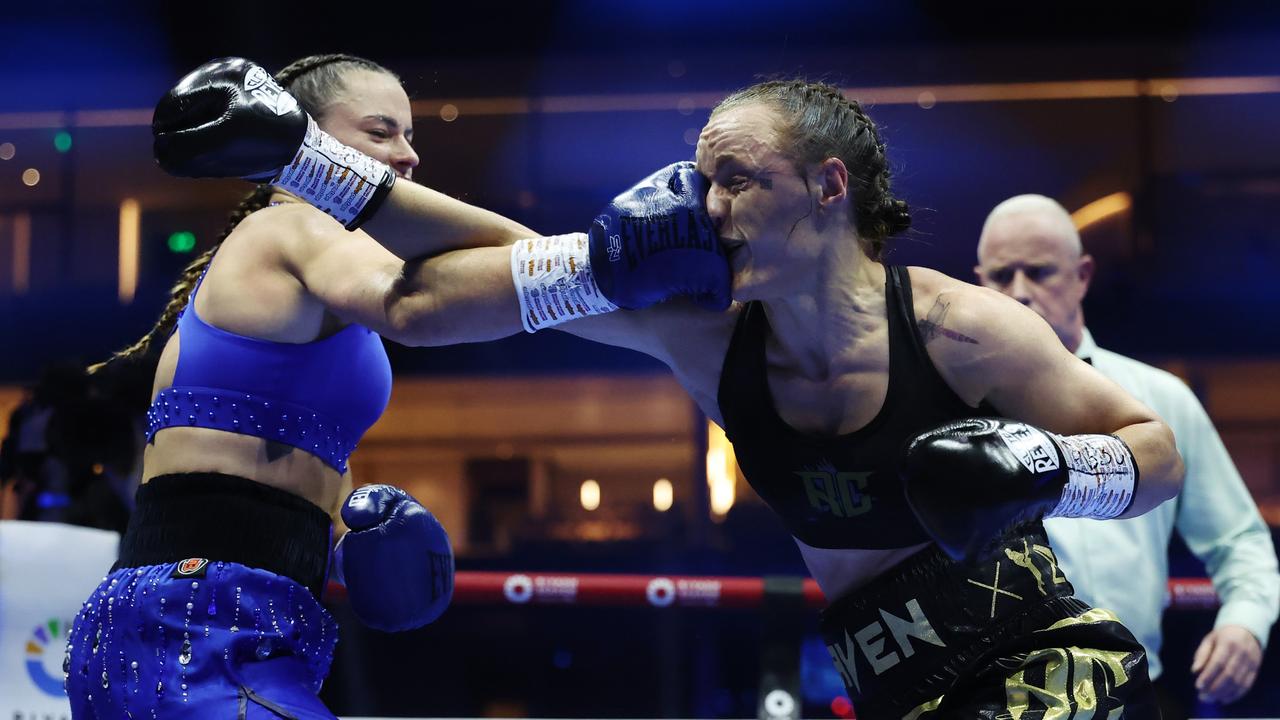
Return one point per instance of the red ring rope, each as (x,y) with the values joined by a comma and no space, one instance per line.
(517,588)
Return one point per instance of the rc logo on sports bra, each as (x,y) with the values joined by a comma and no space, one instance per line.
(870,642)
(841,494)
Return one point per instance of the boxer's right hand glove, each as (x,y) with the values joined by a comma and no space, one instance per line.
(968,482)
(229,118)
(395,559)
(654,242)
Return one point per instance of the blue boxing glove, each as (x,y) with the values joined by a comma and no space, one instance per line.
(654,242)
(395,559)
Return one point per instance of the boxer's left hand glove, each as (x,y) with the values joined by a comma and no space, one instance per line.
(969,482)
(656,241)
(395,560)
(229,118)
(652,243)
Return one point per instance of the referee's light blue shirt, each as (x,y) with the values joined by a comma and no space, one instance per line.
(1123,565)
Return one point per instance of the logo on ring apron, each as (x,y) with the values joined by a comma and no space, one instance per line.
(191,567)
(44,650)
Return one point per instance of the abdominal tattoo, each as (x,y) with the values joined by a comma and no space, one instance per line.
(277,450)
(932,326)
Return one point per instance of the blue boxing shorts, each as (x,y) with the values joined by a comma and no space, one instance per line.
(231,629)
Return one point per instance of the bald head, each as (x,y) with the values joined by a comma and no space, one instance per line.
(1037,213)
(1030,250)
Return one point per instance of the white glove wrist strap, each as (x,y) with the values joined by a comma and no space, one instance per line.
(1101,477)
(335,178)
(554,282)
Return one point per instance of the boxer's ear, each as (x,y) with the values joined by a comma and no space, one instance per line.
(831,178)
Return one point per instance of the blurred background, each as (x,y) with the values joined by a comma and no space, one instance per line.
(1157,128)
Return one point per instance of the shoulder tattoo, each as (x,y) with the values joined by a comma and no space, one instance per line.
(933,326)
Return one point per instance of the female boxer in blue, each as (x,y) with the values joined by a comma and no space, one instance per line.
(266,380)
(274,372)
(269,371)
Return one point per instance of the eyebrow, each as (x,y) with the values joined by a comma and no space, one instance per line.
(391,123)
(726,159)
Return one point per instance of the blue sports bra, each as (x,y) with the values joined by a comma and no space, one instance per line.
(320,396)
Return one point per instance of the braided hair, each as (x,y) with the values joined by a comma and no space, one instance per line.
(819,122)
(316,81)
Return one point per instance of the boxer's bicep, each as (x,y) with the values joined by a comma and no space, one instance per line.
(1031,376)
(464,296)
(347,272)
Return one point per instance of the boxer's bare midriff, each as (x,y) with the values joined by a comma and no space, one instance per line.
(839,571)
(191,449)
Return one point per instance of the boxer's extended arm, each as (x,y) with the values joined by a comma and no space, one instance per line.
(472,295)
(459,296)
(415,221)
(1014,361)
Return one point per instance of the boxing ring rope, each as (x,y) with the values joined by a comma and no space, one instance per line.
(782,597)
(614,590)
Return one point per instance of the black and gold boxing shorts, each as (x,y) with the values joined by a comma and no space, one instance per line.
(1002,638)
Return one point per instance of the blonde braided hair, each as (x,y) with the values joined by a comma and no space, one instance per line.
(818,122)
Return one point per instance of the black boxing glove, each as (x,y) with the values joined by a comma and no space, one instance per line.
(969,482)
(229,118)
